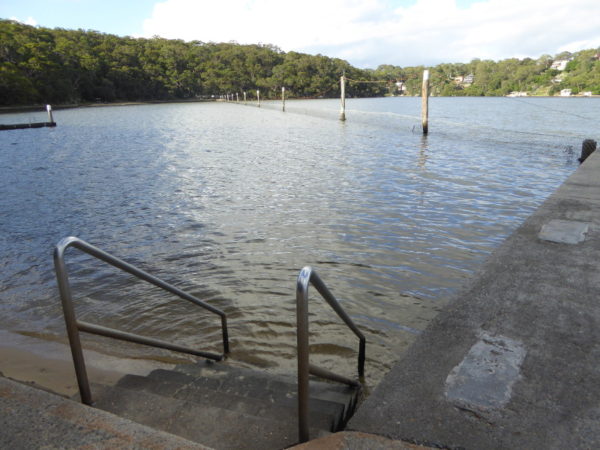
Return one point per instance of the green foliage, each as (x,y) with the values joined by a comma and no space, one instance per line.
(40,65)
(490,78)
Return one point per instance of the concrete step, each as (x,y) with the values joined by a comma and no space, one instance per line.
(193,392)
(226,407)
(264,387)
(323,390)
(259,388)
(209,425)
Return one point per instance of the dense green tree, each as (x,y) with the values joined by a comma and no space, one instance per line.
(41,65)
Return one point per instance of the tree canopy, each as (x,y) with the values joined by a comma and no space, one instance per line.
(41,65)
(491,78)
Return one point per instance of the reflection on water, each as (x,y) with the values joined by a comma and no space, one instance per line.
(230,202)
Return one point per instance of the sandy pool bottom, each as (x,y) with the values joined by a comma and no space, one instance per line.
(48,364)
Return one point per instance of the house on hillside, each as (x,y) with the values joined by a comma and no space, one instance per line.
(469,79)
(565,93)
(464,79)
(560,64)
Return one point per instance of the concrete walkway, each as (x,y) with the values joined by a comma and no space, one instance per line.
(31,418)
(514,360)
(347,440)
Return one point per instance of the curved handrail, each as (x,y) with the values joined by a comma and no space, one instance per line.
(74,326)
(306,277)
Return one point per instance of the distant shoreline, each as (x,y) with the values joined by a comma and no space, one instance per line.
(42,108)
(37,108)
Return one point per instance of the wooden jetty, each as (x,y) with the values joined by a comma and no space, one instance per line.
(18,126)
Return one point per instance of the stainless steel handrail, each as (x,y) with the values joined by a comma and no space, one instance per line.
(74,325)
(306,277)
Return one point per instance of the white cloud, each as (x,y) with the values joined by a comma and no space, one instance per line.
(290,25)
(371,32)
(30,21)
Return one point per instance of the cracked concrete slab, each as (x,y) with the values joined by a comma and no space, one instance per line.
(564,231)
(483,380)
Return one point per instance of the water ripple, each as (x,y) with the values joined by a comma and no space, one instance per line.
(230,202)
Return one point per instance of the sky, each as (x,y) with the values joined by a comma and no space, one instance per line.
(366,33)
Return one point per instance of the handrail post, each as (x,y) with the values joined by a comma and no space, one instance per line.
(74,327)
(361,357)
(306,277)
(303,357)
(71,323)
(225,334)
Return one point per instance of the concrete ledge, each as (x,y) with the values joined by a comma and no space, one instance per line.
(32,418)
(539,295)
(356,441)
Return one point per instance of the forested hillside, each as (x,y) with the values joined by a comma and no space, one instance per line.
(41,65)
(579,73)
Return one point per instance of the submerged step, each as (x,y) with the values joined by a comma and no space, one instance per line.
(335,392)
(259,387)
(216,427)
(227,407)
(199,395)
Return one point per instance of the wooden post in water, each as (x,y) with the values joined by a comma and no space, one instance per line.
(343,98)
(244,97)
(49,109)
(258,97)
(425,102)
(20,126)
(283,99)
(237,97)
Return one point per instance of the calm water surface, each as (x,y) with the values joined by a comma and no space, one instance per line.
(231,201)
